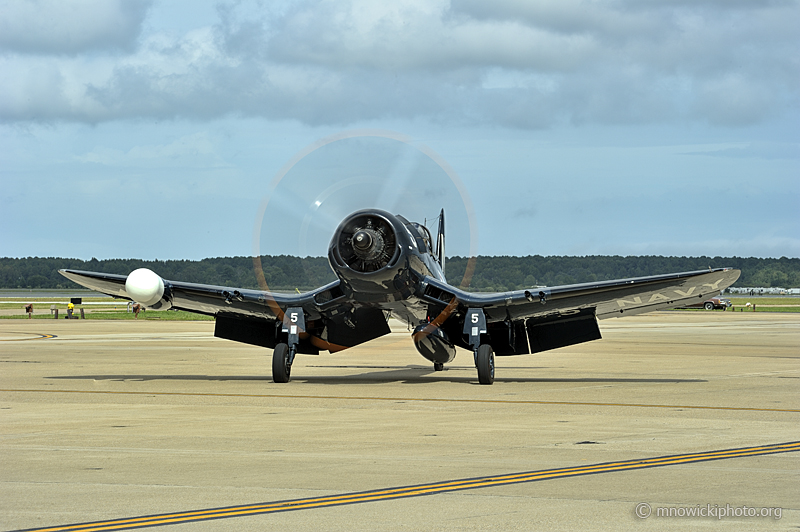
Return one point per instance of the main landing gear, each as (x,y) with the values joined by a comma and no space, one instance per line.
(438,366)
(283,355)
(484,361)
(282,358)
(474,327)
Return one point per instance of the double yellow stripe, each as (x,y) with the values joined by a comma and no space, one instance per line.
(418,490)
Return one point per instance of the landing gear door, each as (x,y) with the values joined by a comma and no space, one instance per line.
(294,323)
(475,326)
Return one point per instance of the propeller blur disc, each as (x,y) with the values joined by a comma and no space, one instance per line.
(354,170)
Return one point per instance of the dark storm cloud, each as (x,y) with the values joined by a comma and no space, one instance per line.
(518,64)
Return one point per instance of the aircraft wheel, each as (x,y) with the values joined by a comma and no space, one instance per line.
(438,366)
(709,306)
(280,363)
(485,364)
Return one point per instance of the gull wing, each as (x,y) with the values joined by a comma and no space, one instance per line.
(212,300)
(539,319)
(608,299)
(256,316)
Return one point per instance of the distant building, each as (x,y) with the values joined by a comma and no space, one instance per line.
(762,291)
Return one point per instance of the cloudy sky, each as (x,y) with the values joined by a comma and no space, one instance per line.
(184,130)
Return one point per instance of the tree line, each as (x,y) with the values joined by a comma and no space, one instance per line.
(283,272)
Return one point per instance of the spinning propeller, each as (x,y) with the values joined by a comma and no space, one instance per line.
(336,176)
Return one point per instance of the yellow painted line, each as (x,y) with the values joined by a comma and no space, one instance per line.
(407,399)
(417,490)
(40,337)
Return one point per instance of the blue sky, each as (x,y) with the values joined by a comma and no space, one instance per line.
(156,130)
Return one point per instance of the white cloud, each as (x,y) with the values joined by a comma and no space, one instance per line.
(70,27)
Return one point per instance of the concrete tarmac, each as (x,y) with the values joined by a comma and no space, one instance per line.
(110,420)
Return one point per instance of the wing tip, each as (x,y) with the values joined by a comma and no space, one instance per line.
(69,274)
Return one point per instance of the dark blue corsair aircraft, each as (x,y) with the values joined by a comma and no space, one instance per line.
(386,266)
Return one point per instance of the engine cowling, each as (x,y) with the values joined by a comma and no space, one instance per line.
(147,288)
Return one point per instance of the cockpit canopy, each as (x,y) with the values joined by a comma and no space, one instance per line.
(425,235)
(420,234)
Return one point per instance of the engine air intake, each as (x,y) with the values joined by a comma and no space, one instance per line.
(366,243)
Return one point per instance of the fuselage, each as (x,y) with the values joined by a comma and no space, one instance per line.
(381,260)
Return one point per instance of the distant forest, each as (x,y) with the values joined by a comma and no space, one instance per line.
(284,272)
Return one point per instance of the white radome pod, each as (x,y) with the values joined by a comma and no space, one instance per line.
(144,286)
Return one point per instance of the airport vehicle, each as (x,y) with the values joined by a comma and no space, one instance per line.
(716,303)
(713,303)
(387,265)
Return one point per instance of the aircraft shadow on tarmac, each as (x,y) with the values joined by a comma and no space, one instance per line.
(405,375)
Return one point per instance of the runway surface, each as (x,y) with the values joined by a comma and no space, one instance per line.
(119,425)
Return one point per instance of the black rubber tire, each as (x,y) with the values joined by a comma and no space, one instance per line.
(438,366)
(281,370)
(709,306)
(485,364)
